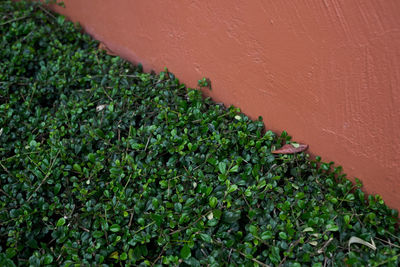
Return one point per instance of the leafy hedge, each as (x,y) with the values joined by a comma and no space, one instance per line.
(101,163)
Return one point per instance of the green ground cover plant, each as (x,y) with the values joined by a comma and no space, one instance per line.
(103,164)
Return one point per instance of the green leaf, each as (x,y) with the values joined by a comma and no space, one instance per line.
(174,132)
(350,197)
(253,230)
(275,255)
(217,213)
(77,167)
(92,157)
(205,237)
(178,207)
(33,143)
(231,216)
(11,252)
(123,256)
(57,188)
(308,229)
(155,203)
(185,252)
(115,228)
(283,235)
(4,261)
(98,234)
(266,235)
(235,168)
(60,222)
(111,107)
(213,201)
(222,167)
(60,20)
(48,259)
(332,227)
(232,188)
(301,204)
(346,219)
(114,255)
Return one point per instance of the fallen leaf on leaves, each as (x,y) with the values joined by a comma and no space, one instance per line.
(291,149)
(108,50)
(357,240)
(100,107)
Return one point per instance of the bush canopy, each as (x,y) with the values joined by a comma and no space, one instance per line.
(103,164)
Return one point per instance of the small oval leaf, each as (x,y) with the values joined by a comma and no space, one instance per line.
(115,228)
(61,222)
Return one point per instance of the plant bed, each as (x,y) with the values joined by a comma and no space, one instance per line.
(101,163)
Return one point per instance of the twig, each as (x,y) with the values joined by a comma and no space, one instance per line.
(130,221)
(148,140)
(245,200)
(45,178)
(244,255)
(5,169)
(291,247)
(84,229)
(205,254)
(119,131)
(184,228)
(130,76)
(13,20)
(325,245)
(386,261)
(47,12)
(390,243)
(229,256)
(109,97)
(144,227)
(7,195)
(159,256)
(325,261)
(37,165)
(127,146)
(392,234)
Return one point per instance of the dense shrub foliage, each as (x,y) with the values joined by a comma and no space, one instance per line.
(101,163)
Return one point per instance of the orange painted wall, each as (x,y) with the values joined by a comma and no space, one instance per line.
(327,71)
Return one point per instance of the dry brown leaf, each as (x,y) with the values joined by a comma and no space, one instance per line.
(102,46)
(291,149)
(100,107)
(357,240)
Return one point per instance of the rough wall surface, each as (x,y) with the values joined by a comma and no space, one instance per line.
(327,71)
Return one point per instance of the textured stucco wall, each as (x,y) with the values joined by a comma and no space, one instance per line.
(327,71)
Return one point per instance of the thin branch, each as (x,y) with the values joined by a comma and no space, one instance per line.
(184,228)
(130,220)
(13,20)
(159,256)
(46,177)
(389,243)
(6,170)
(325,245)
(7,195)
(148,140)
(244,255)
(47,12)
(290,248)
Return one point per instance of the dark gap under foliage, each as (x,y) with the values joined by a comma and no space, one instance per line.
(101,163)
